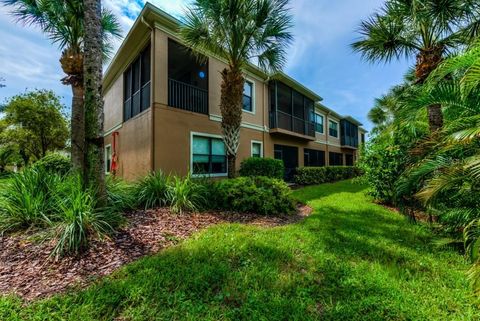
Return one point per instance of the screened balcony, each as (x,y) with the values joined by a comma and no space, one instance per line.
(348,134)
(187,79)
(290,112)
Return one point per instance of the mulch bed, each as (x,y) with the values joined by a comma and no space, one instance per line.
(27,270)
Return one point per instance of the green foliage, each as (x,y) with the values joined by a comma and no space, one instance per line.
(328,174)
(350,260)
(36,124)
(257,166)
(54,163)
(184,194)
(45,201)
(152,190)
(261,195)
(28,200)
(78,218)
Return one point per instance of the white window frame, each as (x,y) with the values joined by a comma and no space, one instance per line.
(261,147)
(109,146)
(253,97)
(191,155)
(338,127)
(323,123)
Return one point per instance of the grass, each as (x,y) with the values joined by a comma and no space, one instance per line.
(350,260)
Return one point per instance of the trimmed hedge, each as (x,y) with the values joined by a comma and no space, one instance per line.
(54,163)
(261,195)
(268,167)
(319,175)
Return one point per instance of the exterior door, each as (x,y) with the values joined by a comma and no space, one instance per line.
(289,156)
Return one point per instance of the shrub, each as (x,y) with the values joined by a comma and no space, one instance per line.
(185,195)
(54,163)
(262,195)
(79,219)
(319,175)
(151,191)
(268,167)
(37,198)
(121,195)
(27,200)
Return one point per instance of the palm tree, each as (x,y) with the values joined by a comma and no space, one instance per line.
(239,32)
(426,29)
(63,22)
(92,68)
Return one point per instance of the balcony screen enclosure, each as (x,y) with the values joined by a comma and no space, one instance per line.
(291,110)
(349,133)
(187,79)
(313,158)
(136,85)
(289,156)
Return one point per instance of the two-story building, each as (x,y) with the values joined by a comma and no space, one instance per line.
(162,111)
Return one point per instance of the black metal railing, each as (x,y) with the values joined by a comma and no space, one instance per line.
(291,123)
(187,97)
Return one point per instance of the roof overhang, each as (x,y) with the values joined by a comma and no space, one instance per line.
(287,80)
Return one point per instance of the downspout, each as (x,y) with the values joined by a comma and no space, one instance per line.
(152,90)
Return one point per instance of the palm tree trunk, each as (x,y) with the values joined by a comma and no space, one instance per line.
(93,98)
(435,117)
(231,109)
(427,62)
(78,129)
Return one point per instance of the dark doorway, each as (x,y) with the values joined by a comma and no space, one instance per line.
(348,159)
(289,155)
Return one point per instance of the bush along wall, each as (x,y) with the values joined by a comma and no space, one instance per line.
(261,195)
(268,167)
(320,175)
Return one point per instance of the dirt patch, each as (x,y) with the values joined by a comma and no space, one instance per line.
(27,270)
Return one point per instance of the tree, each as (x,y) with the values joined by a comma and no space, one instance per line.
(93,96)
(238,31)
(63,22)
(35,124)
(427,29)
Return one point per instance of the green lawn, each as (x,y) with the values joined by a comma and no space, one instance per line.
(351,260)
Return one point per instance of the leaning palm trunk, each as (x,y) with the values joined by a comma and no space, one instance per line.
(95,177)
(72,64)
(427,62)
(231,109)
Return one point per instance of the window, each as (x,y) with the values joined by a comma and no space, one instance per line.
(108,158)
(318,123)
(335,159)
(136,85)
(208,155)
(313,157)
(257,149)
(333,128)
(349,159)
(248,96)
(363,138)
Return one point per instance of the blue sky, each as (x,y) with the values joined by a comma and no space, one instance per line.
(320,57)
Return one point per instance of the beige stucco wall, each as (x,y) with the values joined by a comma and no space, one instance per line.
(113,105)
(173,129)
(134,149)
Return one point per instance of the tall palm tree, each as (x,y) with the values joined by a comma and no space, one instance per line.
(238,31)
(426,29)
(92,68)
(63,22)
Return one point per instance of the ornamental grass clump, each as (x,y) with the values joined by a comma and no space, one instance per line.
(27,200)
(185,194)
(79,219)
(152,190)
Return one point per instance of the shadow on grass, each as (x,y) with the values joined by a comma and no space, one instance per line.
(345,262)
